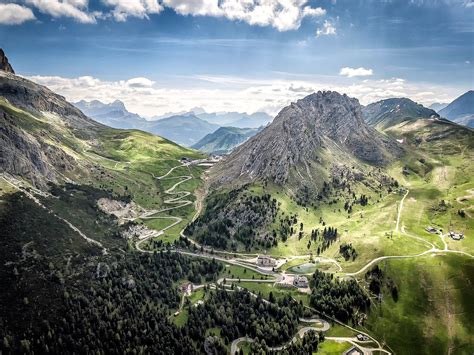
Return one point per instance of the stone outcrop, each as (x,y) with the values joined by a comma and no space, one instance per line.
(4,64)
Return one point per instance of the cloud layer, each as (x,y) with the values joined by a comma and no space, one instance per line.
(215,93)
(283,15)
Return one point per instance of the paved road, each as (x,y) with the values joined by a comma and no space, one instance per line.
(234,348)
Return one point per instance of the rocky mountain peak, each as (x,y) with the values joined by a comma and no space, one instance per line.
(325,112)
(318,130)
(4,64)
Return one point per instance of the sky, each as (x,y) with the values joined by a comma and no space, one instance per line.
(160,56)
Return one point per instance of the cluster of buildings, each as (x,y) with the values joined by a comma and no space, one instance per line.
(265,261)
(452,234)
(297,281)
(300,281)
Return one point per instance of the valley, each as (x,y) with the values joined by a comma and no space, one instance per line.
(335,227)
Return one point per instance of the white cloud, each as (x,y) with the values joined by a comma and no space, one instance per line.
(309,11)
(13,14)
(216,94)
(140,82)
(76,9)
(352,72)
(328,29)
(122,9)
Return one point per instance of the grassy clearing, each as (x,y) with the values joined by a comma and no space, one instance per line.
(264,290)
(330,347)
(181,319)
(235,272)
(197,296)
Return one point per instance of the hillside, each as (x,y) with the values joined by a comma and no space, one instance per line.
(461,110)
(78,202)
(313,149)
(387,113)
(358,218)
(46,139)
(224,140)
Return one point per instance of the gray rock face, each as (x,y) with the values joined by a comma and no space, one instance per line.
(314,130)
(4,65)
(28,156)
(32,148)
(30,96)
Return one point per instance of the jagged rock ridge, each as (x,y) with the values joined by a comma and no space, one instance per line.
(29,96)
(34,123)
(4,64)
(317,130)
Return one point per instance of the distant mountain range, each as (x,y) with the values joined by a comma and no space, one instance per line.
(225,139)
(437,106)
(237,119)
(185,128)
(390,112)
(461,110)
(114,114)
(182,129)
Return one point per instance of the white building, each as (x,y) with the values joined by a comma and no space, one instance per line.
(456,236)
(266,261)
(300,281)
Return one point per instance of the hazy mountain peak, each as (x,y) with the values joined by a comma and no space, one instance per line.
(225,139)
(4,64)
(118,104)
(197,110)
(438,106)
(461,110)
(389,112)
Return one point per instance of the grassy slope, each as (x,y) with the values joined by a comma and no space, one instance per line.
(435,306)
(121,162)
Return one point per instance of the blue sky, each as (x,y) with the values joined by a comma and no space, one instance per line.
(170,55)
